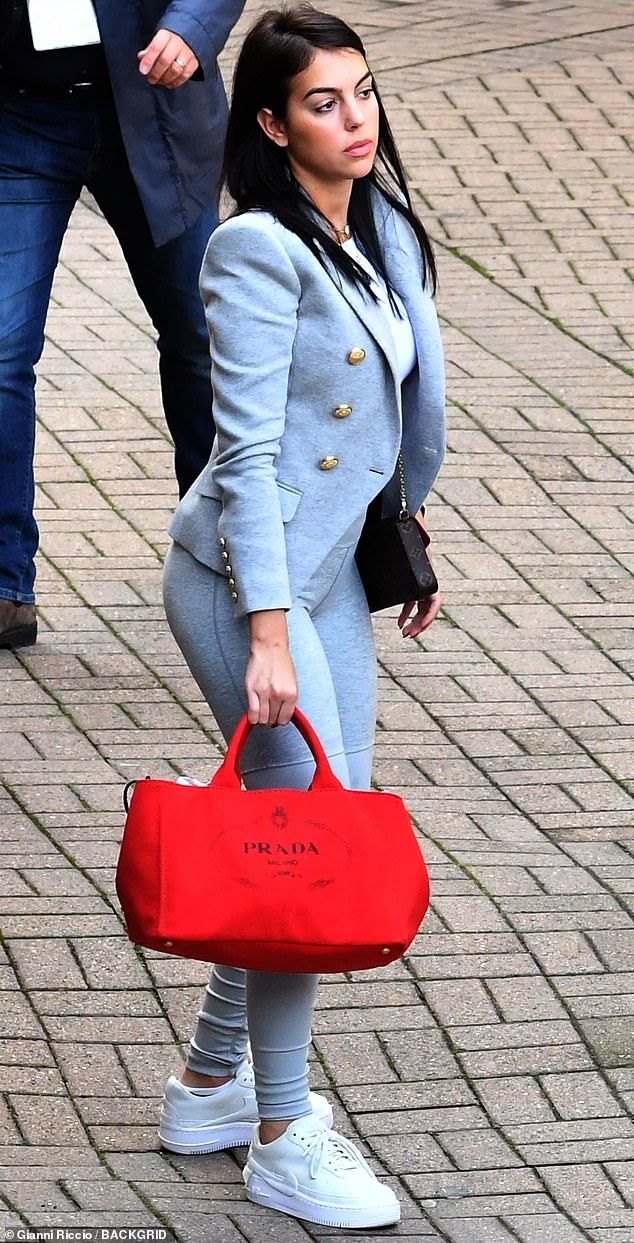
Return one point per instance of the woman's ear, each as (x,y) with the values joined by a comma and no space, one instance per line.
(273,128)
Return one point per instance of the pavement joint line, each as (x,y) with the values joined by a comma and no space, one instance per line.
(572,1018)
(119,1056)
(500,444)
(603,765)
(8,949)
(473,1082)
(77,790)
(465,868)
(554,320)
(109,901)
(508,1225)
(101,491)
(158,1213)
(605,1166)
(401,1179)
(161,681)
(63,708)
(65,1189)
(72,949)
(621,666)
(145,328)
(511,47)
(63,850)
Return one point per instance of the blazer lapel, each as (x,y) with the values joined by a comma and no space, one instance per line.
(403,266)
(370,314)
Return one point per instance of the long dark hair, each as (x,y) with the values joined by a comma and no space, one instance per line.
(256,172)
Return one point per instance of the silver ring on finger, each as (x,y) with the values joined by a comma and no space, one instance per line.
(181,63)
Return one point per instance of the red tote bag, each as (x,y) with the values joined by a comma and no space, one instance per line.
(325,879)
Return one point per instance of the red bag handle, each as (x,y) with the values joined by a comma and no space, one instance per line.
(228,775)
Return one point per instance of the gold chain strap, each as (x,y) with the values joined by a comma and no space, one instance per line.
(404,514)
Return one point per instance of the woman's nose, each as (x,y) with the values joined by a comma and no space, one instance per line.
(354,115)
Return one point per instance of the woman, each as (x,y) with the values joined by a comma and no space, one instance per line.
(325,361)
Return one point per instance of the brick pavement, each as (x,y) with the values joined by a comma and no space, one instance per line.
(490,1076)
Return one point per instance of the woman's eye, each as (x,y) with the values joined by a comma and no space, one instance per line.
(366,92)
(327,107)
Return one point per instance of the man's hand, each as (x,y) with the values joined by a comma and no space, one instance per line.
(167,60)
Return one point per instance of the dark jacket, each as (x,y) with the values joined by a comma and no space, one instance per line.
(173,139)
(9,13)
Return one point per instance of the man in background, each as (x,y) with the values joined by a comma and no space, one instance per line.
(125,99)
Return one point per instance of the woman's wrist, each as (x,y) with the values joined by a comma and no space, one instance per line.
(268,629)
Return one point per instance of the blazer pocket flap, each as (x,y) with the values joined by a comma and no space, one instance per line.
(206,486)
(289,497)
(289,500)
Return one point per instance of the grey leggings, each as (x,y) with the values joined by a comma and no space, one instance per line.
(333,651)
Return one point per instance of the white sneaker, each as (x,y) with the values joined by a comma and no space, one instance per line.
(226,1118)
(313,1173)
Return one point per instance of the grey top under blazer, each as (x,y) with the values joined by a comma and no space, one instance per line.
(308,405)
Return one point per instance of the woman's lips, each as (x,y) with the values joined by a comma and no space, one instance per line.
(360,148)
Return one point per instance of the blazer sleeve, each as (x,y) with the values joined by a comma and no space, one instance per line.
(204,24)
(251,293)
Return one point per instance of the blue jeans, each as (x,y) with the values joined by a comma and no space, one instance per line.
(49,149)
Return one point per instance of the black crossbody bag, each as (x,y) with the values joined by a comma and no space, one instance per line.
(392,555)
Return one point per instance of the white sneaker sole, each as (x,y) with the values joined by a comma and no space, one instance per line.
(207,1139)
(215,1138)
(297,1205)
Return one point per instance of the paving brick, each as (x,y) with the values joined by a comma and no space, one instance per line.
(514,1099)
(534,1060)
(581,1095)
(428,1094)
(477,1150)
(610,1039)
(456,1002)
(491,1231)
(547,1228)
(517,1003)
(590,1197)
(563,953)
(46,964)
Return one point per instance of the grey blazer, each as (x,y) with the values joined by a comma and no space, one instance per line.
(308,406)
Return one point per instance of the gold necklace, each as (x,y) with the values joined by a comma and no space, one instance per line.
(341,235)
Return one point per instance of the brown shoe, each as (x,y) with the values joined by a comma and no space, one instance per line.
(18,624)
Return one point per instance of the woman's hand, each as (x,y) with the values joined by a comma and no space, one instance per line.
(270,681)
(426,612)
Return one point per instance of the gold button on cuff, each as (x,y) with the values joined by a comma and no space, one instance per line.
(232,582)
(342,412)
(228,569)
(223,542)
(225,555)
(234,596)
(356,356)
(328,463)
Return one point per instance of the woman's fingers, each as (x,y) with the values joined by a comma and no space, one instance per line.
(270,710)
(405,613)
(282,705)
(253,705)
(271,687)
(427,611)
(287,709)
